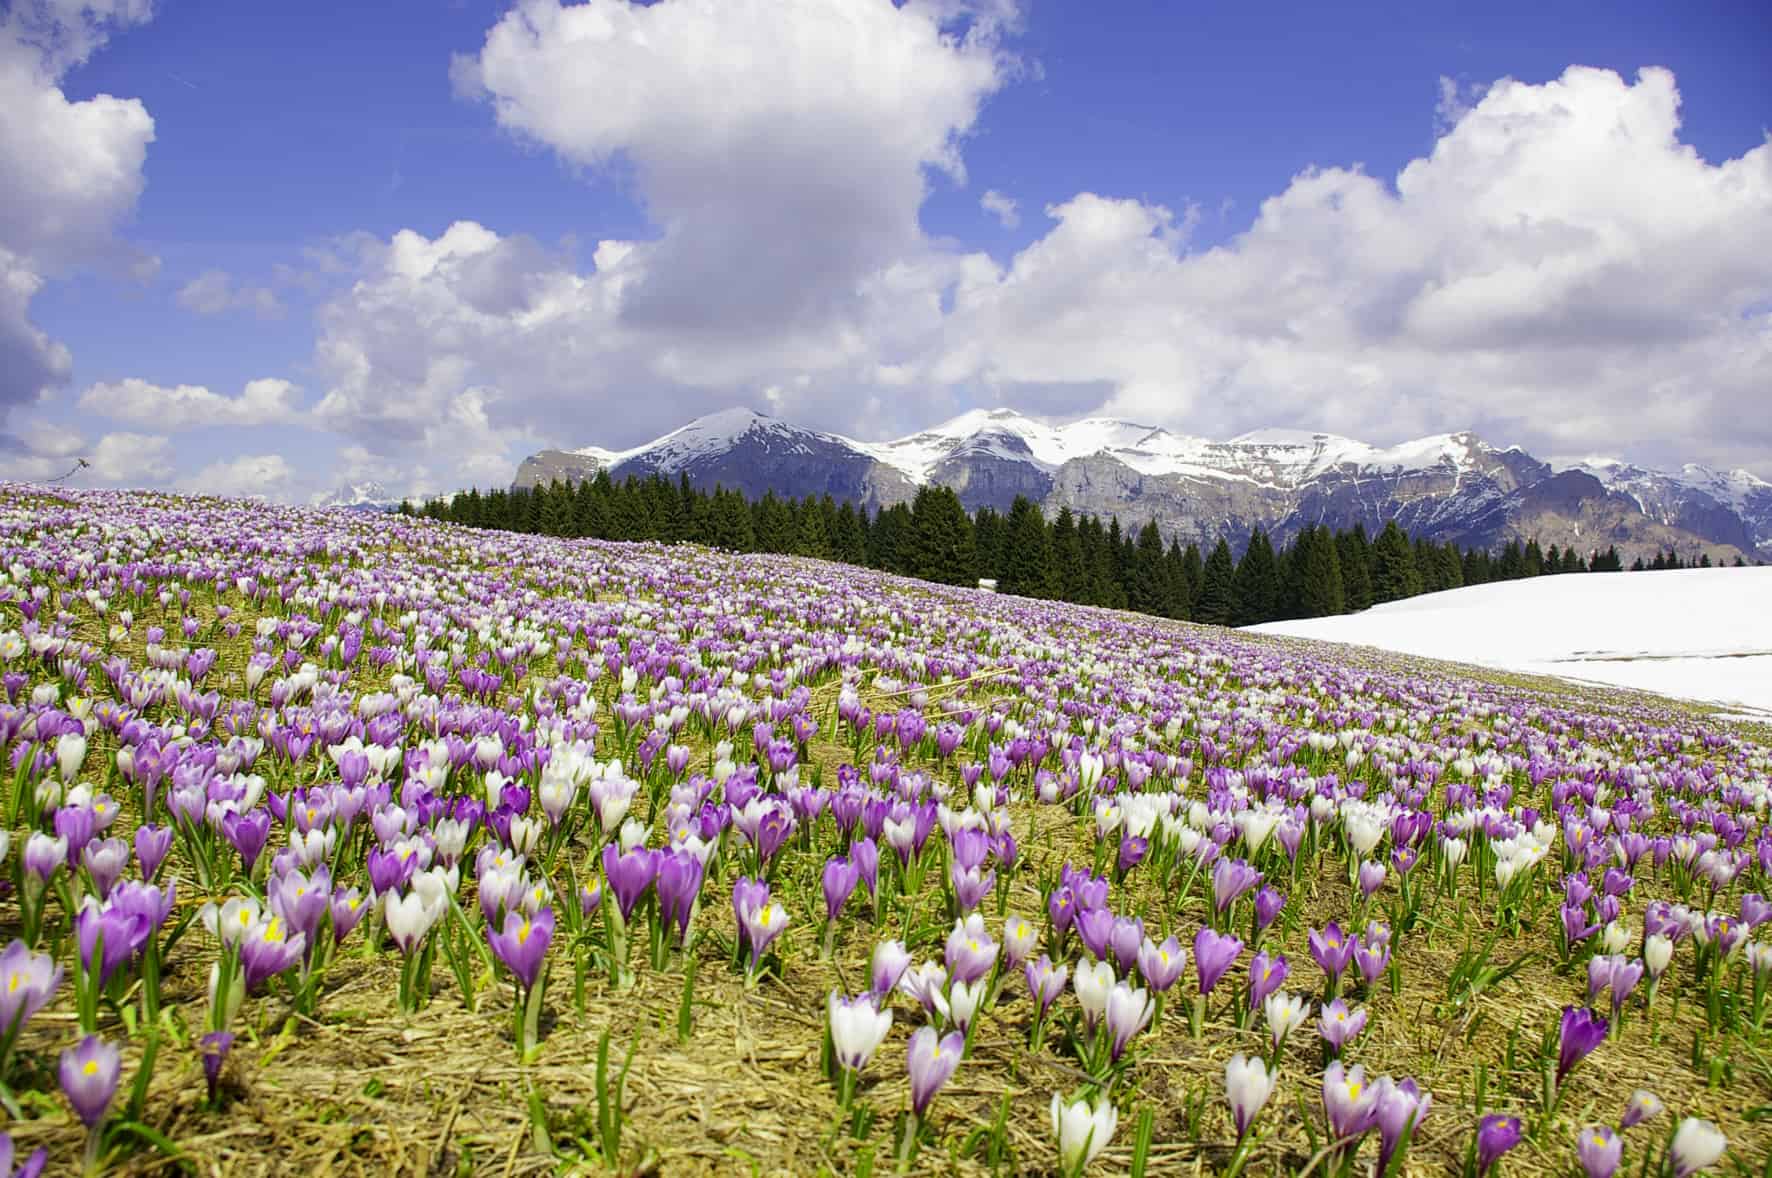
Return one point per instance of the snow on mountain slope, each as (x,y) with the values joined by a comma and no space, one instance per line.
(1668,494)
(1274,457)
(1453,487)
(369,496)
(1697,634)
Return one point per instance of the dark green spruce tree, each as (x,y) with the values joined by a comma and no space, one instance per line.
(1215,603)
(1255,585)
(1394,575)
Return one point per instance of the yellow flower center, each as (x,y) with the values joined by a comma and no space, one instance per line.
(91,1067)
(523,933)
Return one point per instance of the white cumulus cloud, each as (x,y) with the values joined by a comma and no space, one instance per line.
(70,173)
(214,292)
(1561,270)
(250,476)
(262,402)
(1002,207)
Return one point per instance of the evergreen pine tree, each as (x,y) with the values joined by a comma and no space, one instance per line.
(1148,591)
(848,542)
(942,540)
(1214,605)
(1193,572)
(1355,556)
(1027,559)
(987,543)
(1071,577)
(1394,575)
(1175,592)
(811,539)
(1255,588)
(1532,560)
(1316,575)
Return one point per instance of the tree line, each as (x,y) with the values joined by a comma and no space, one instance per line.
(1072,557)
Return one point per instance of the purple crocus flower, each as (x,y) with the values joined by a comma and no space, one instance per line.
(44,856)
(840,878)
(970,845)
(1599,1151)
(1350,1105)
(1642,1106)
(1129,1011)
(970,888)
(247,833)
(865,854)
(1332,949)
(27,981)
(747,895)
(34,1164)
(1582,1031)
(1213,954)
(105,860)
(267,950)
(89,1075)
(1045,982)
(759,923)
(1338,1025)
(1061,908)
(1496,1134)
(388,871)
(1231,878)
(889,962)
(773,831)
(1576,926)
(523,945)
(122,933)
(1268,904)
(1371,878)
(678,885)
(1133,849)
(152,845)
(216,1046)
(347,909)
(302,901)
(931,1061)
(1267,973)
(970,951)
(1599,975)
(629,875)
(1625,976)
(1161,965)
(1372,958)
(1402,1106)
(1095,928)
(1124,942)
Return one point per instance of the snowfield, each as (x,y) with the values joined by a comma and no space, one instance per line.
(1696,634)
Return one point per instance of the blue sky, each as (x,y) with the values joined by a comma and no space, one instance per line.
(258,237)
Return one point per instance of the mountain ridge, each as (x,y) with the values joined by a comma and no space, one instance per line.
(1448,487)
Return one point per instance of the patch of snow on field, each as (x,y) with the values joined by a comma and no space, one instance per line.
(1695,634)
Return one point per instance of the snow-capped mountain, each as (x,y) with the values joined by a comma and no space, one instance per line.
(1694,498)
(1449,486)
(365,496)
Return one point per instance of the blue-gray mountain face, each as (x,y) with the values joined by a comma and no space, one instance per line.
(1450,487)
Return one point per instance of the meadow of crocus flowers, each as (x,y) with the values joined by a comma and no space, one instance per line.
(341,842)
